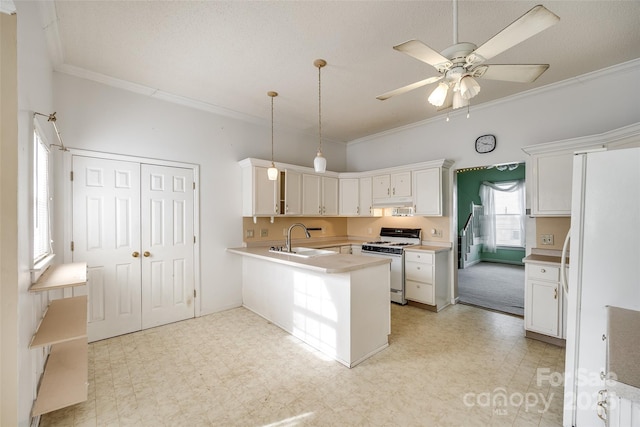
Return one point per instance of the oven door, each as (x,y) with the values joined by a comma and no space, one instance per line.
(397,275)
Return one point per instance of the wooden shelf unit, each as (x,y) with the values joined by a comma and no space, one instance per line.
(63,327)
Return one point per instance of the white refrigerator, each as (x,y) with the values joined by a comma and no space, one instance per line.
(604,271)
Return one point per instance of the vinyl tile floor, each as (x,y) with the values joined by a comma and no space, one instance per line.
(463,366)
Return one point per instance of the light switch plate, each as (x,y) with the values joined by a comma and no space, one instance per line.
(249,233)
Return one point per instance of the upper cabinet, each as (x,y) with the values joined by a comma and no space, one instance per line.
(260,196)
(427,184)
(319,195)
(301,191)
(391,188)
(550,167)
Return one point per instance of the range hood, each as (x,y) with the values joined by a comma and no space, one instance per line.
(393,202)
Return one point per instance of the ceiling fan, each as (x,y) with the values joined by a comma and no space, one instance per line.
(459,65)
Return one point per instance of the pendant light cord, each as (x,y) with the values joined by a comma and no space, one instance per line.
(319,109)
(272,129)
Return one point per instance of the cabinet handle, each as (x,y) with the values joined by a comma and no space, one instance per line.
(358,210)
(542,270)
(319,209)
(394,191)
(418,286)
(388,192)
(147,254)
(135,254)
(417,268)
(555,293)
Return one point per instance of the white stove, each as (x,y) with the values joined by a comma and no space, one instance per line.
(391,245)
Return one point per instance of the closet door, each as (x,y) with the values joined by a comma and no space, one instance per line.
(106,235)
(167,244)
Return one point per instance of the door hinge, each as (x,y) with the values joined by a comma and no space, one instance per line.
(194,293)
(72,246)
(194,185)
(71,175)
(194,239)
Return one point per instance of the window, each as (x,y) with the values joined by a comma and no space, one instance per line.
(41,223)
(504,213)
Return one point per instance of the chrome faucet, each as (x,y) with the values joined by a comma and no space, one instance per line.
(297,224)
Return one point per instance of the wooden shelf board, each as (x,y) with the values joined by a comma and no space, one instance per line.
(64,382)
(65,320)
(61,276)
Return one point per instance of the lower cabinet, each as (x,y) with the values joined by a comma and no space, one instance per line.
(426,277)
(544,311)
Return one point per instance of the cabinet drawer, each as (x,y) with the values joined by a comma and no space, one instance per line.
(423,257)
(543,272)
(418,291)
(418,271)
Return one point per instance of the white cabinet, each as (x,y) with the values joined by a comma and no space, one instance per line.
(365,197)
(428,191)
(319,195)
(390,186)
(260,196)
(426,277)
(290,192)
(551,184)
(544,300)
(349,196)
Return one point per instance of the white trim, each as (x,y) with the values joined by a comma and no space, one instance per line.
(7,6)
(68,201)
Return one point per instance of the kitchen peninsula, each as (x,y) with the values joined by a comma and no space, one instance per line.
(337,303)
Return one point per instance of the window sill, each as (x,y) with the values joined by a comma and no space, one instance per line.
(41,266)
(511,248)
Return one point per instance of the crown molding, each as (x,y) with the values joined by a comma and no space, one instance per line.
(8,7)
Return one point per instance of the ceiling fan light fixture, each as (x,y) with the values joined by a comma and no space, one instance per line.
(469,87)
(459,101)
(439,95)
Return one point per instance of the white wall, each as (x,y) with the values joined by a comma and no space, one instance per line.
(94,116)
(34,94)
(588,105)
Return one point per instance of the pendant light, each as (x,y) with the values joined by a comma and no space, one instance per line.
(272,172)
(319,163)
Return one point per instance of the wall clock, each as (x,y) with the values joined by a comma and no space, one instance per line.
(485,144)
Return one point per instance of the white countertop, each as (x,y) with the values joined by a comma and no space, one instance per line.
(427,248)
(544,259)
(338,263)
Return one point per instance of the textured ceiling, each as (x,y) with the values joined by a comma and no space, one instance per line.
(228,54)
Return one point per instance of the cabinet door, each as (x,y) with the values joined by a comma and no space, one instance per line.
(329,196)
(542,313)
(401,184)
(381,186)
(292,192)
(552,184)
(428,194)
(349,197)
(366,197)
(311,203)
(265,193)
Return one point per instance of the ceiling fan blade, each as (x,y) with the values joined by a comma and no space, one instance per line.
(521,73)
(408,88)
(531,23)
(424,53)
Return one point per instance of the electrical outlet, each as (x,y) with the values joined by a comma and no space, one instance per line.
(436,233)
(249,233)
(547,239)
(264,232)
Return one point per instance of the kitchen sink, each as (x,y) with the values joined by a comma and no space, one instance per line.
(302,252)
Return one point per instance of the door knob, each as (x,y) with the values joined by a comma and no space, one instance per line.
(147,254)
(135,254)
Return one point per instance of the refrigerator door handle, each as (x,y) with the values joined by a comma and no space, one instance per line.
(563,263)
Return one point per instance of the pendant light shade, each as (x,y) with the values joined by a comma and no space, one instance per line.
(272,172)
(439,94)
(319,163)
(469,87)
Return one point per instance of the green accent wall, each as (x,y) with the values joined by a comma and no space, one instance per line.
(468,186)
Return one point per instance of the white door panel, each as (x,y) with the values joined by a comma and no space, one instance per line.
(106,234)
(167,244)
